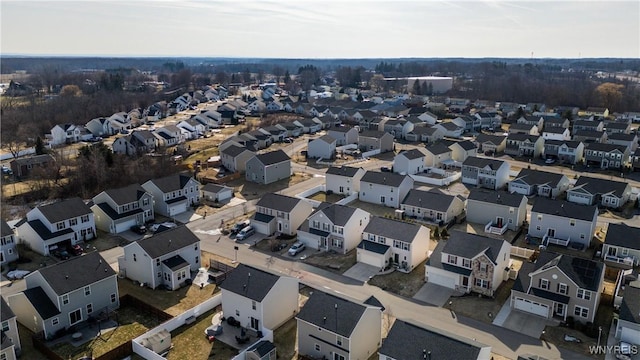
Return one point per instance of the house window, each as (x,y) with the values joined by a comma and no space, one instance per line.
(158,262)
(482,283)
(65,299)
(159,273)
(483,267)
(339,340)
(113,298)
(61,226)
(75,317)
(382,239)
(538,227)
(466,263)
(452,259)
(544,284)
(511,210)
(581,311)
(563,289)
(55,321)
(253,305)
(89,308)
(539,217)
(197,259)
(87,290)
(5,326)
(135,258)
(145,201)
(73,222)
(582,236)
(84,218)
(584,294)
(317,347)
(572,222)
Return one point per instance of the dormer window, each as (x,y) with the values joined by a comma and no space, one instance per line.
(452,259)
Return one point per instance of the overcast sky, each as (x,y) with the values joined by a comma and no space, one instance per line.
(322,29)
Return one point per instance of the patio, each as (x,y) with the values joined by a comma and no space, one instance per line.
(85,334)
(231,334)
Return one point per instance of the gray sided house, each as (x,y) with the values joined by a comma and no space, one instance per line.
(524,145)
(542,183)
(8,250)
(11,347)
(483,172)
(559,286)
(334,328)
(571,152)
(165,259)
(59,296)
(563,223)
(334,227)
(173,194)
(384,188)
(343,180)
(607,156)
(409,162)
(497,210)
(622,245)
(408,341)
(234,158)
(369,140)
(117,210)
(280,213)
(628,327)
(344,135)
(491,143)
(433,205)
(601,192)
(323,147)
(58,225)
(268,167)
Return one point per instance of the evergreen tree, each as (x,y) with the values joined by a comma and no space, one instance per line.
(39,147)
(416,88)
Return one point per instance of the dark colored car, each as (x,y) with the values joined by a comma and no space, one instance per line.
(61,254)
(139,229)
(385,169)
(75,250)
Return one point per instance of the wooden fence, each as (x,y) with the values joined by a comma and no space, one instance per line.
(128,300)
(41,346)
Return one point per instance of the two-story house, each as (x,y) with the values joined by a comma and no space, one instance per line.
(259,300)
(590,136)
(343,180)
(334,227)
(386,241)
(169,135)
(58,225)
(491,143)
(309,126)
(468,262)
(542,183)
(601,192)
(437,155)
(384,188)
(489,120)
(461,150)
(607,156)
(8,250)
(426,134)
(369,140)
(409,341)
(524,145)
(552,121)
(344,135)
(334,328)
(65,134)
(268,167)
(622,244)
(398,128)
(165,259)
(571,152)
(281,213)
(323,147)
(450,129)
(470,123)
(234,158)
(622,139)
(559,286)
(499,211)
(173,194)
(618,127)
(484,172)
(10,344)
(537,121)
(524,129)
(556,133)
(628,326)
(66,294)
(409,162)
(563,223)
(117,210)
(589,125)
(433,205)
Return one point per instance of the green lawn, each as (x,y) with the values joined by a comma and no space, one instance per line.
(190,343)
(284,338)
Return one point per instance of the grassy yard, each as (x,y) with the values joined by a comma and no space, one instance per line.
(190,343)
(479,308)
(286,341)
(400,283)
(249,190)
(133,323)
(334,262)
(322,196)
(28,351)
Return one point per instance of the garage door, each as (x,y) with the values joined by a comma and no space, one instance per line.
(178,208)
(532,307)
(124,226)
(371,258)
(630,335)
(442,280)
(261,228)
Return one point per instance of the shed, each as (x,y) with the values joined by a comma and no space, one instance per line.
(159,342)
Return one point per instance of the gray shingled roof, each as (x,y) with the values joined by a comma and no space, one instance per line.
(564,209)
(326,138)
(408,341)
(630,307)
(383,178)
(494,139)
(213,188)
(483,162)
(65,209)
(600,186)
(437,149)
(623,235)
(392,229)
(470,245)
(523,137)
(412,154)
(5,229)
(496,197)
(249,282)
(554,130)
(538,177)
(584,272)
(432,199)
(233,150)
(373,246)
(5,310)
(41,302)
(339,215)
(332,313)
(126,194)
(622,136)
(278,202)
(171,183)
(65,276)
(372,134)
(273,157)
(168,241)
(346,171)
(606,147)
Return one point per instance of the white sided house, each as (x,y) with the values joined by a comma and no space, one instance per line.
(173,194)
(433,206)
(334,227)
(409,162)
(601,192)
(8,250)
(117,210)
(484,172)
(498,211)
(280,213)
(384,188)
(622,245)
(323,147)
(542,183)
(563,223)
(344,180)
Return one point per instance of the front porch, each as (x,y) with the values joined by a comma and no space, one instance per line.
(498,228)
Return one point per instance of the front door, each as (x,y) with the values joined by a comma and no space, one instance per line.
(551,232)
(465,281)
(560,308)
(255,323)
(280,227)
(499,222)
(612,251)
(396,258)
(323,243)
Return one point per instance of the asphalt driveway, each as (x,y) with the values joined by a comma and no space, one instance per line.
(361,271)
(434,294)
(527,324)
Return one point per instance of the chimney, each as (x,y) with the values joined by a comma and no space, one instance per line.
(66,277)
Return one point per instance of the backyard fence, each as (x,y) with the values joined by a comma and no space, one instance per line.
(521,252)
(128,300)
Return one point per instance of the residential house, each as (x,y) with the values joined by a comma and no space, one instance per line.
(563,223)
(165,259)
(387,241)
(628,140)
(589,125)
(274,106)
(556,133)
(229,114)
(259,300)
(99,127)
(277,133)
(334,227)
(428,117)
(369,140)
(542,183)
(489,120)
(261,350)
(323,147)
(437,155)
(628,325)
(192,128)
(344,135)
(635,160)
(622,244)
(280,213)
(409,162)
(8,250)
(291,128)
(234,158)
(590,136)
(408,341)
(552,121)
(601,192)
(469,123)
(126,145)
(508,108)
(65,134)
(535,107)
(398,128)
(461,150)
(117,210)
(334,328)
(559,286)
(169,135)
(268,167)
(606,156)
(384,188)
(618,127)
(484,172)
(11,347)
(450,129)
(146,141)
(309,126)
(433,205)
(527,129)
(469,263)
(57,225)
(173,194)
(209,118)
(538,121)
(571,152)
(491,144)
(60,296)
(216,193)
(33,165)
(498,211)
(426,134)
(344,180)
(524,145)
(257,137)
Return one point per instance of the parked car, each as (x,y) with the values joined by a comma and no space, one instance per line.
(296,248)
(61,254)
(75,250)
(245,233)
(239,226)
(139,229)
(550,161)
(165,225)
(385,169)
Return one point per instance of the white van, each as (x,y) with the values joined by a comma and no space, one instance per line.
(245,233)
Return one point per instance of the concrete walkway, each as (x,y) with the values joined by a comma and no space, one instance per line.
(502,315)
(434,294)
(362,272)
